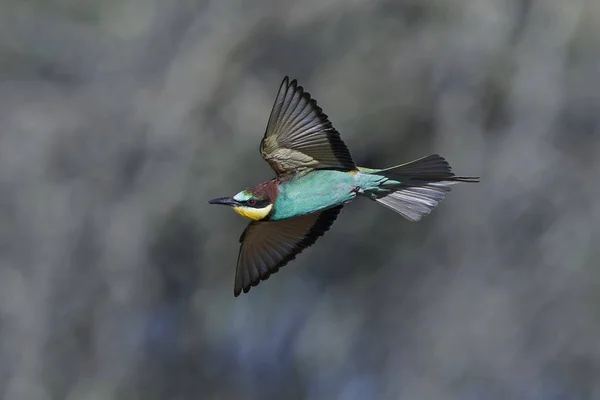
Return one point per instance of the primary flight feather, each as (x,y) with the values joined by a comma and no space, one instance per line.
(316,176)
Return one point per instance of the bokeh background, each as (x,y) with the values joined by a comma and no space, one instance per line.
(119,119)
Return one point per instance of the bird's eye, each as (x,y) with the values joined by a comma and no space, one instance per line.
(251,202)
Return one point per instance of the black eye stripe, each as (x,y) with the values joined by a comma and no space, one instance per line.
(258,203)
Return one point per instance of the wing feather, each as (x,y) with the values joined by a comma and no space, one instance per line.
(299,135)
(269,245)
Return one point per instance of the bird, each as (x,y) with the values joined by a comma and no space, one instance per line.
(315,177)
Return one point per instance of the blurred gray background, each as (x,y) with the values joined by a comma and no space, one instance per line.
(120,118)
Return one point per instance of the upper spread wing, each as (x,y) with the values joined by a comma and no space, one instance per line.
(300,136)
(269,245)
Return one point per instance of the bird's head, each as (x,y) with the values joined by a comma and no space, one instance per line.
(250,204)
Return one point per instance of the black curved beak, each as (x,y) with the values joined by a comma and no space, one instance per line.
(226,201)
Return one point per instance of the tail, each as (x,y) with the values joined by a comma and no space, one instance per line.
(415,188)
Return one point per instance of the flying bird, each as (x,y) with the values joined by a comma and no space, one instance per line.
(315,177)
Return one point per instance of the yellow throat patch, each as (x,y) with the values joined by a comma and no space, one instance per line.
(254,214)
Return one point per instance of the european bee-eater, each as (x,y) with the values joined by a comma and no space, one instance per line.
(316,176)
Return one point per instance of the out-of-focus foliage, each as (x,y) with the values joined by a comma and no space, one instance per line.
(120,118)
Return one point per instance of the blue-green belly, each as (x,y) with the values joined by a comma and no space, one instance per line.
(318,190)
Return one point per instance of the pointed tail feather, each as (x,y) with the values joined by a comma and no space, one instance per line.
(417,187)
(433,168)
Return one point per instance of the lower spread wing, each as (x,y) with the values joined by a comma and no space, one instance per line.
(300,136)
(269,245)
